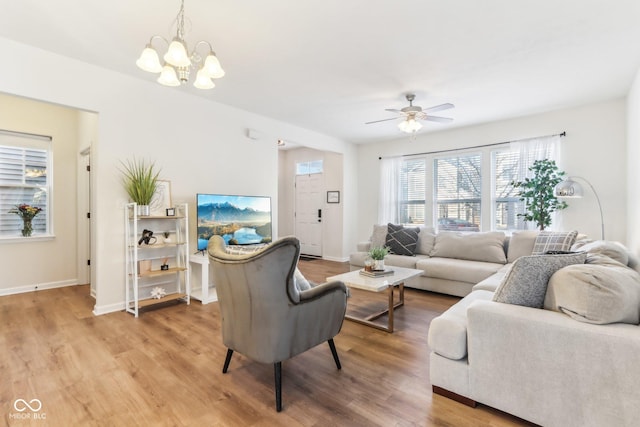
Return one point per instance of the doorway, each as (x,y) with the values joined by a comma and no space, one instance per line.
(308,213)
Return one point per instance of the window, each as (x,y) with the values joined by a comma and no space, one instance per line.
(458,192)
(24,178)
(511,163)
(412,192)
(445,189)
(308,168)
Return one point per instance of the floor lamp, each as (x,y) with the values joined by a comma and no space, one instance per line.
(569,188)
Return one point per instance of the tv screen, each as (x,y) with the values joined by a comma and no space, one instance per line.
(240,220)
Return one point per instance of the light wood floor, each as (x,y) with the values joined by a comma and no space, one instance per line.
(164,368)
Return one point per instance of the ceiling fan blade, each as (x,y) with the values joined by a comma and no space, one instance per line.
(438,119)
(438,108)
(393,110)
(383,120)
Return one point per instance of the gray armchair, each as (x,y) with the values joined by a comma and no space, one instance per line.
(265,314)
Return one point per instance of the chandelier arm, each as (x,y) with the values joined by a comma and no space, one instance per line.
(158,37)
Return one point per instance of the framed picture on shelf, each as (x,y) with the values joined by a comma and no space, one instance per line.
(161,199)
(333,197)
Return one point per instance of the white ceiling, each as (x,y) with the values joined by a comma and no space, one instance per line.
(331,65)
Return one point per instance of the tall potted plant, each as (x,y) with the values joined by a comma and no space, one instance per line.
(140,179)
(537,193)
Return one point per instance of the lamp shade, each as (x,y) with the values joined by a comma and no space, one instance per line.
(410,125)
(177,54)
(568,189)
(149,60)
(203,81)
(212,67)
(168,76)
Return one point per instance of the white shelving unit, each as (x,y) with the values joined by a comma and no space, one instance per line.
(145,273)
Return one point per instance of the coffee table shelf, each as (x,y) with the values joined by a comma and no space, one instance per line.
(355,280)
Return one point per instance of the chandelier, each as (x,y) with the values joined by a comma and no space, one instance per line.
(178,62)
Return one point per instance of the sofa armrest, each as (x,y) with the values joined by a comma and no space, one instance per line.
(550,369)
(364,246)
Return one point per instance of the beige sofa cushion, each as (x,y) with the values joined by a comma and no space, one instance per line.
(448,332)
(480,246)
(379,235)
(613,250)
(602,292)
(521,244)
(458,270)
(426,239)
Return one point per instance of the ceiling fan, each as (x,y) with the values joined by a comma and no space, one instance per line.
(413,113)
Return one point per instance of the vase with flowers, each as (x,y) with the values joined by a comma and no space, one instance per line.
(27,213)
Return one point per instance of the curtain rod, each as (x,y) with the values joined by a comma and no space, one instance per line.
(562,134)
(24,134)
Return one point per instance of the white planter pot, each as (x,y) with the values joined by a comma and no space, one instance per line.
(144,210)
(378,264)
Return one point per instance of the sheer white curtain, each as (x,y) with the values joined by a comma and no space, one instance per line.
(530,150)
(388,200)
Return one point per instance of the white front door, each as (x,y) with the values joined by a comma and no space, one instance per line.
(308,214)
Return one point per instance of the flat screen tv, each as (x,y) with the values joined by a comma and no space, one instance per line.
(240,220)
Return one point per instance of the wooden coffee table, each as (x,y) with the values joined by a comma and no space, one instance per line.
(355,280)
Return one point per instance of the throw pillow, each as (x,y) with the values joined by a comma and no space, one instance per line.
(378,236)
(526,282)
(611,249)
(596,293)
(426,239)
(402,240)
(301,283)
(554,241)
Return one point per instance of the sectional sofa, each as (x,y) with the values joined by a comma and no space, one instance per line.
(452,262)
(552,339)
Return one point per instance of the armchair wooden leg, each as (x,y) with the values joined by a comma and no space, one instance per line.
(332,346)
(278,375)
(227,360)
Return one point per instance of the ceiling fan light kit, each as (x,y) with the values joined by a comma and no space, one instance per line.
(413,114)
(178,62)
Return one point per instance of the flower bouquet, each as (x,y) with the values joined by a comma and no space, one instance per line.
(27,213)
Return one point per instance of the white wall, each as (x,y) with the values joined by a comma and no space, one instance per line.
(633,172)
(199,144)
(44,262)
(594,148)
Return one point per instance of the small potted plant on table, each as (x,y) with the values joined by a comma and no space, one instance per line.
(377,255)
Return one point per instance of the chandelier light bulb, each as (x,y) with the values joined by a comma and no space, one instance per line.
(203,81)
(177,54)
(212,67)
(168,77)
(149,60)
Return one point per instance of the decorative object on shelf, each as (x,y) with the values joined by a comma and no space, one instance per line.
(178,61)
(538,192)
(144,266)
(165,265)
(140,179)
(166,235)
(27,213)
(333,197)
(161,199)
(569,188)
(158,292)
(147,238)
(171,212)
(377,255)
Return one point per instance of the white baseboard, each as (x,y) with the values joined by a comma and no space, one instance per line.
(330,258)
(106,309)
(38,287)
